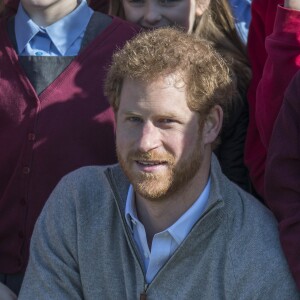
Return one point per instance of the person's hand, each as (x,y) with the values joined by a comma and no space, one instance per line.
(6,293)
(293,4)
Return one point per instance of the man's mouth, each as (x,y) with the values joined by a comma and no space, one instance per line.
(150,163)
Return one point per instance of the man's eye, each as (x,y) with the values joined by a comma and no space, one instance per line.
(167,121)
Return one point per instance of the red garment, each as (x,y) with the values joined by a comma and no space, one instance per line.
(263,16)
(282,173)
(69,125)
(282,178)
(262,20)
(283,47)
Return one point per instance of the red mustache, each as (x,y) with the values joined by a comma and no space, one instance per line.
(151,156)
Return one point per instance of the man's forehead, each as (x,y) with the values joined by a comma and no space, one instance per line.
(165,96)
(162,81)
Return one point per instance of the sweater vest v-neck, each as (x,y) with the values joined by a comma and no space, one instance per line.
(43,70)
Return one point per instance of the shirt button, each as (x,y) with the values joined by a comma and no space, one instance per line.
(31,137)
(146,254)
(26,170)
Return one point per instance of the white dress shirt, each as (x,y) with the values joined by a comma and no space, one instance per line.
(166,242)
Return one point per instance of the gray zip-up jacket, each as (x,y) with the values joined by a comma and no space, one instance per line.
(82,247)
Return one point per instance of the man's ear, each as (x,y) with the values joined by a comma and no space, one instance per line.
(201,7)
(212,125)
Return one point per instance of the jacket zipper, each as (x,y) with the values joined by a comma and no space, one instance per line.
(143,295)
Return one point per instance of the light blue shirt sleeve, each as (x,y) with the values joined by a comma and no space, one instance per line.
(62,38)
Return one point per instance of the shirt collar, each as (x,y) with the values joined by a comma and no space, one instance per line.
(130,209)
(25,28)
(62,33)
(181,228)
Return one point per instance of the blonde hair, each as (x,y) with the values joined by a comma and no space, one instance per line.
(217,26)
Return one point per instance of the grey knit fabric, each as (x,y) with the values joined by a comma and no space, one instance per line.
(82,247)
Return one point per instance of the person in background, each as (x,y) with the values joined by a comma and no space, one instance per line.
(242,13)
(279,133)
(282,61)
(164,223)
(54,117)
(276,66)
(263,13)
(211,20)
(282,177)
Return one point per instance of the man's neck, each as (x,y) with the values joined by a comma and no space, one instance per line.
(49,14)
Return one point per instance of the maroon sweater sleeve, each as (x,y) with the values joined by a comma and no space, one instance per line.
(263,16)
(282,177)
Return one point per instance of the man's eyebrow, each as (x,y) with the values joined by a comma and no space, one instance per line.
(129,112)
(169,115)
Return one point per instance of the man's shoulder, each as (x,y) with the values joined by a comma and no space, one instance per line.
(84,184)
(88,175)
(250,233)
(243,210)
(86,192)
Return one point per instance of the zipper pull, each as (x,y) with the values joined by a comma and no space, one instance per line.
(143,296)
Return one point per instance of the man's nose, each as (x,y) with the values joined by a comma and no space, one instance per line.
(150,137)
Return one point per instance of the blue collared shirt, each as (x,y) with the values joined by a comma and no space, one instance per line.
(242,12)
(166,242)
(62,38)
